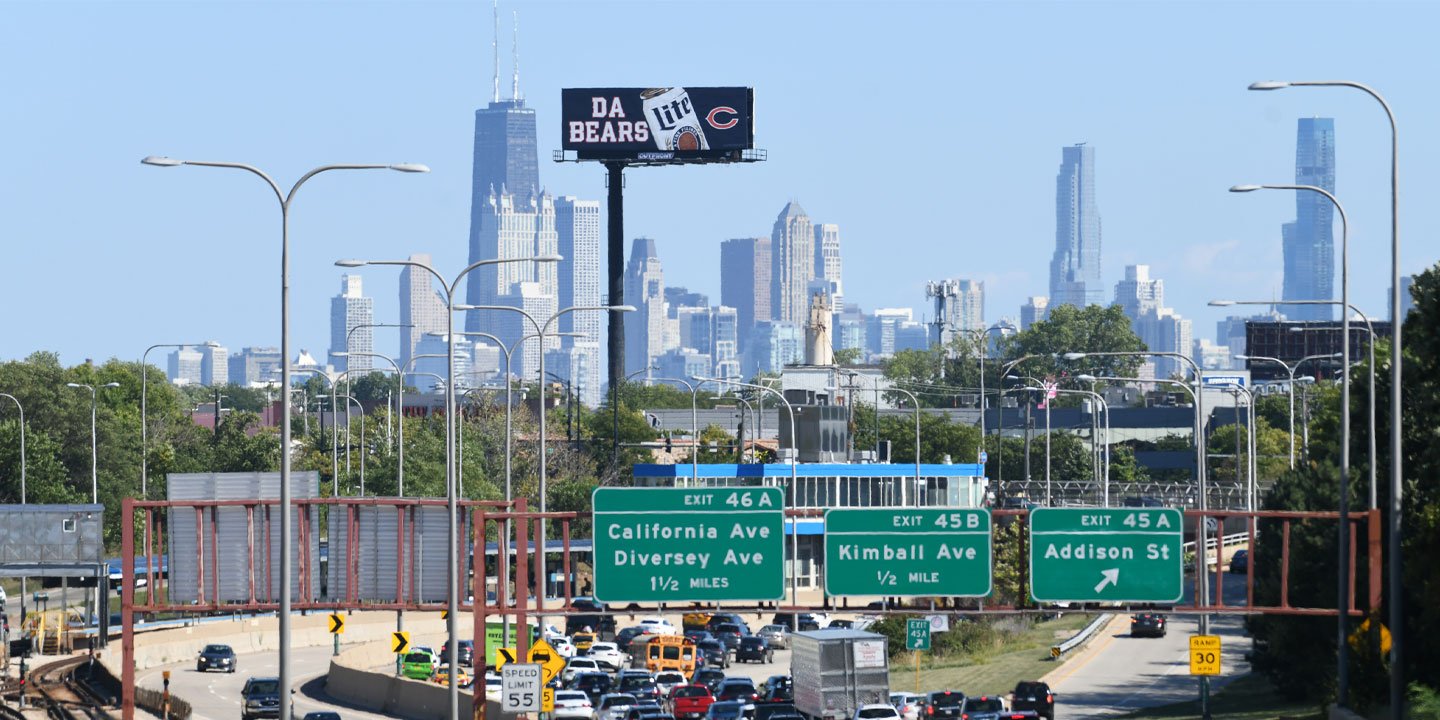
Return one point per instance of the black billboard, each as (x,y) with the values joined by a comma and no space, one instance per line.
(657,124)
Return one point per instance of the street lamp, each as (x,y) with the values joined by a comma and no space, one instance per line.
(285,200)
(1290,369)
(94,468)
(694,423)
(144,387)
(1397,616)
(451,489)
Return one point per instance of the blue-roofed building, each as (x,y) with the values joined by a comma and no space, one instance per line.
(820,486)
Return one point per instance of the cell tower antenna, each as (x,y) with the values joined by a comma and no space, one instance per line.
(495,49)
(515,48)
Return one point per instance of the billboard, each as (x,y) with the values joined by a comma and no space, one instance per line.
(663,124)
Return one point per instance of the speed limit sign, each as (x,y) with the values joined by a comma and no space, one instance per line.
(520,688)
(1204,654)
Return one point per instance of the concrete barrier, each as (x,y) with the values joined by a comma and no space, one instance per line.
(352,681)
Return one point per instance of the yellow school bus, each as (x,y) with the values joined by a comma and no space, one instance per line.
(670,652)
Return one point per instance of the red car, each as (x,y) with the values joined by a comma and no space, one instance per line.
(690,701)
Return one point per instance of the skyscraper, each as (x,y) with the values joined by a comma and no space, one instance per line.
(577,229)
(1309,242)
(1137,293)
(421,307)
(827,260)
(1075,267)
(1159,327)
(745,282)
(511,227)
(1033,311)
(792,245)
(214,364)
(183,366)
(350,315)
(644,289)
(959,306)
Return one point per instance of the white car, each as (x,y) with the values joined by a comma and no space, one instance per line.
(608,655)
(578,665)
(613,706)
(877,711)
(907,704)
(563,646)
(657,625)
(434,656)
(571,704)
(493,686)
(552,632)
(668,680)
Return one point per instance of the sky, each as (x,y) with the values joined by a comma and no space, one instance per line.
(929,131)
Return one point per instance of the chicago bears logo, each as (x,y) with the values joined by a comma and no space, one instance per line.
(714,118)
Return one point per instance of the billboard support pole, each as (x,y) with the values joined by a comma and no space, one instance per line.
(615,209)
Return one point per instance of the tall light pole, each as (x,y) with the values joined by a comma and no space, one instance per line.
(694,422)
(1397,616)
(94,473)
(21,409)
(285,199)
(144,446)
(451,488)
(542,331)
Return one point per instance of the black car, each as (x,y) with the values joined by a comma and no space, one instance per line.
(593,684)
(754,647)
(1034,696)
(602,624)
(730,634)
(808,621)
(1240,561)
(698,636)
(841,624)
(776,711)
(464,652)
(639,683)
(1147,625)
(260,698)
(722,618)
(623,638)
(322,715)
(709,677)
(778,689)
(736,688)
(216,657)
(715,653)
(943,704)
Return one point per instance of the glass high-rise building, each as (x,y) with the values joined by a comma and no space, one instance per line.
(745,282)
(351,314)
(644,289)
(792,265)
(1075,267)
(505,154)
(1309,242)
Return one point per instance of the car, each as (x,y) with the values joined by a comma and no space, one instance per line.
(777,689)
(698,636)
(876,711)
(577,665)
(1035,696)
(695,620)
(989,707)
(564,647)
(572,704)
(777,635)
(582,641)
(1143,501)
(658,625)
(907,704)
(624,637)
(322,715)
(434,656)
(644,712)
(720,618)
(442,676)
(639,683)
(216,657)
(417,665)
(668,680)
(777,711)
(494,686)
(737,688)
(728,710)
(613,706)
(608,654)
(754,647)
(841,624)
(260,698)
(808,621)
(593,684)
(709,677)
(715,653)
(943,704)
(1240,561)
(690,701)
(465,652)
(1147,625)
(730,634)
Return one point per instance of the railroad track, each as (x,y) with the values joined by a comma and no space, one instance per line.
(54,687)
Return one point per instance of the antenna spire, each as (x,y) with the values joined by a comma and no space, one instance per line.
(495,48)
(515,45)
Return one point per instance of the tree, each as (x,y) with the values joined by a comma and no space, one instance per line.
(1093,328)
(847,356)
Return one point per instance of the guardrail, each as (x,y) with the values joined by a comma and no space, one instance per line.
(1057,650)
(1224,541)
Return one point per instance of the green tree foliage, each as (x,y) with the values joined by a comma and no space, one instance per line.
(847,356)
(1093,328)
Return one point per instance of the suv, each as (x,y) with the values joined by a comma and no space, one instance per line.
(639,683)
(986,707)
(1147,624)
(260,698)
(1036,696)
(730,634)
(709,677)
(943,704)
(594,684)
(715,653)
(778,689)
(1240,561)
(464,652)
(736,688)
(754,647)
(721,618)
(218,657)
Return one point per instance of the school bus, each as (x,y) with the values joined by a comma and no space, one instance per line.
(665,652)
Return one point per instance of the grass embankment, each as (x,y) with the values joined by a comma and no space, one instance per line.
(1023,655)
(1251,697)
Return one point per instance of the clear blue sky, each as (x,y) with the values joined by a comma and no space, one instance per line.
(930,132)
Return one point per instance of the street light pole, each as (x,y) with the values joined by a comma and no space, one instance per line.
(286,571)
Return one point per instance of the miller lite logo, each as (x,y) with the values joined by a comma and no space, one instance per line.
(672,119)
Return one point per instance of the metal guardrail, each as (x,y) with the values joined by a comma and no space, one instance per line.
(1057,650)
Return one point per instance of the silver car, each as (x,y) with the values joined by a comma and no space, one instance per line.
(777,635)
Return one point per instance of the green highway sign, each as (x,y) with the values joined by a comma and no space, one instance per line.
(689,544)
(917,634)
(908,552)
(1106,555)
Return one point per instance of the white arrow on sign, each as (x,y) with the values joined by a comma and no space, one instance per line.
(1108,577)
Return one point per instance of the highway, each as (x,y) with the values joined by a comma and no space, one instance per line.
(1118,673)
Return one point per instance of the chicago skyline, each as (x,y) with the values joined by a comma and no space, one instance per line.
(1075,266)
(1309,241)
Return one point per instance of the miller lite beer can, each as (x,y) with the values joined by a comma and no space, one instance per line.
(672,119)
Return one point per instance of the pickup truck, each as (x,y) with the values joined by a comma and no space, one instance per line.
(690,701)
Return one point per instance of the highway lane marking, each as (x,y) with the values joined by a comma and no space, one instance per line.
(1074,666)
